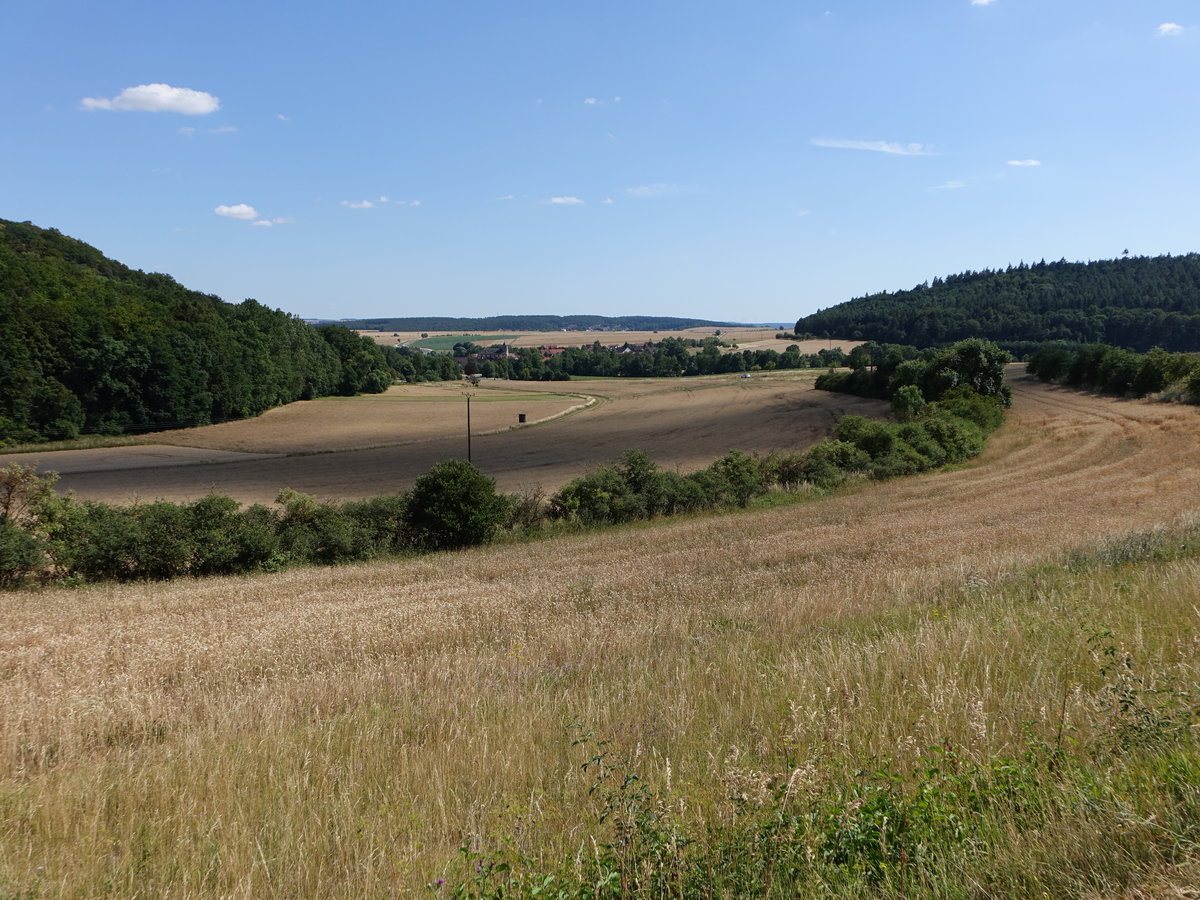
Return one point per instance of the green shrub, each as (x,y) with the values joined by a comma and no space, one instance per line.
(454,505)
(20,555)
(829,463)
(967,403)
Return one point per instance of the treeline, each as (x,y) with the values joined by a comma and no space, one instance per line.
(1114,370)
(671,357)
(530,323)
(1137,303)
(91,346)
(905,374)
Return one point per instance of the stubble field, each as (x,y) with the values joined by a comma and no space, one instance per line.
(341,448)
(340,733)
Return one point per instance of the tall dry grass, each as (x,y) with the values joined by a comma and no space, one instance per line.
(340,733)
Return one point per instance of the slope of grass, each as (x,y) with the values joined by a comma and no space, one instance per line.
(947,686)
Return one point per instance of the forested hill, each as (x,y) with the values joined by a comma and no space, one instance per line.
(90,345)
(531,323)
(1138,303)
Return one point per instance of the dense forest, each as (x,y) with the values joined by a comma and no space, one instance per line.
(1137,303)
(93,346)
(531,323)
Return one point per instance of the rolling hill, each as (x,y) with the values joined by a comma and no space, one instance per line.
(1137,303)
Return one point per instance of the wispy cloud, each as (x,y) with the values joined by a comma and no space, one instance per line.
(892,147)
(243,211)
(951,186)
(982,2)
(157,98)
(657,189)
(1169,29)
(590,101)
(563,201)
(506,197)
(358,204)
(607,201)
(192,131)
(1024,162)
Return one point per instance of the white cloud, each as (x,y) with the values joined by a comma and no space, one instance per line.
(360,204)
(1169,29)
(383,199)
(223,129)
(607,201)
(950,186)
(591,101)
(187,130)
(157,98)
(564,201)
(1024,162)
(243,211)
(506,197)
(264,222)
(892,147)
(982,2)
(414,203)
(804,212)
(658,189)
(282,220)
(282,118)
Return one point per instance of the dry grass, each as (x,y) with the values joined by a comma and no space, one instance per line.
(682,423)
(338,733)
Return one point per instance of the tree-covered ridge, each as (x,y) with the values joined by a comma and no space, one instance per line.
(1138,303)
(530,323)
(91,345)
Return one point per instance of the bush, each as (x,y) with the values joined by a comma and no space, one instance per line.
(830,463)
(454,505)
(19,555)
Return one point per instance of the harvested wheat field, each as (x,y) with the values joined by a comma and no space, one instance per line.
(340,448)
(342,732)
(742,335)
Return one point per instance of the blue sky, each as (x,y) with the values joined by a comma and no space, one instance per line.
(748,161)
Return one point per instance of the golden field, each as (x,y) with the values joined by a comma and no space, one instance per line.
(341,732)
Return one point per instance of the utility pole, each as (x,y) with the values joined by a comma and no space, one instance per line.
(468,396)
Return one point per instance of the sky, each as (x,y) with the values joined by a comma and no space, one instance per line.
(751,161)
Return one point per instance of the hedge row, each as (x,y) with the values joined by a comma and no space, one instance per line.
(1114,370)
(50,536)
(933,435)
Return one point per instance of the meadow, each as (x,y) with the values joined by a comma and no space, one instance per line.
(347,732)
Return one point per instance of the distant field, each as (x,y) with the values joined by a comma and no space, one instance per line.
(746,338)
(369,445)
(447,341)
(343,732)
